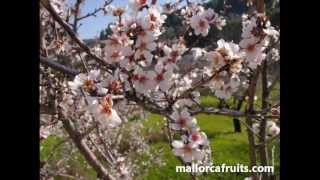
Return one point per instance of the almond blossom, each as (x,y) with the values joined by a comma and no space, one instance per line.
(155,18)
(201,20)
(85,81)
(198,137)
(188,152)
(143,81)
(104,113)
(227,89)
(135,5)
(144,46)
(163,77)
(200,25)
(173,53)
(216,60)
(182,120)
(229,50)
(273,131)
(128,63)
(256,34)
(112,83)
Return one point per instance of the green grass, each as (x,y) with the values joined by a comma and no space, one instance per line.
(77,162)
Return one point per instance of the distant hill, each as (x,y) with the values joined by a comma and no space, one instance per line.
(91,42)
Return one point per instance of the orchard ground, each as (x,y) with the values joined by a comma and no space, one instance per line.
(228,147)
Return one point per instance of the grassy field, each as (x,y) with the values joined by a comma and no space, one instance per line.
(228,147)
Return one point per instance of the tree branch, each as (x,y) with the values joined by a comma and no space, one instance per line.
(76,14)
(73,35)
(95,11)
(90,14)
(53,64)
(86,152)
(227,112)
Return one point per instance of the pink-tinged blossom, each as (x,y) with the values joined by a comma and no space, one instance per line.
(228,89)
(143,81)
(155,18)
(128,62)
(135,5)
(200,25)
(188,152)
(163,77)
(87,81)
(144,48)
(229,50)
(114,55)
(172,55)
(273,131)
(253,51)
(104,113)
(44,132)
(112,83)
(216,60)
(198,137)
(182,120)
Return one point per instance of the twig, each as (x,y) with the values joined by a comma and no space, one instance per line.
(90,14)
(95,11)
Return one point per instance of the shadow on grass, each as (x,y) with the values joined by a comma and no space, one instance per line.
(212,135)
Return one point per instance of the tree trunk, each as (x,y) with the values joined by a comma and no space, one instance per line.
(251,140)
(236,121)
(262,140)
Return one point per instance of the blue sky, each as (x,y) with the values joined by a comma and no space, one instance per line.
(92,26)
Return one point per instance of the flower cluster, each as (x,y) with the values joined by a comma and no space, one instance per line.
(224,82)
(256,34)
(201,19)
(104,113)
(102,109)
(193,143)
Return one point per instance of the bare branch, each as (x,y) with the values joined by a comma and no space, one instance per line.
(53,64)
(76,14)
(90,14)
(229,112)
